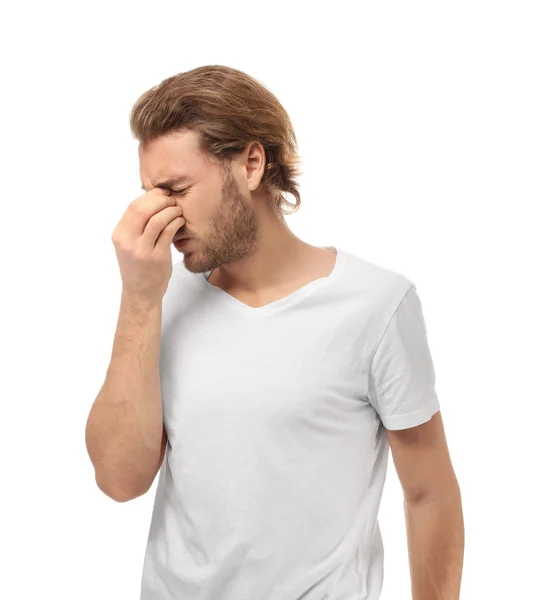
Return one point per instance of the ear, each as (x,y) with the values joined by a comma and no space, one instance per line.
(254,164)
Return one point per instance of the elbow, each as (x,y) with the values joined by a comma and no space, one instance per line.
(120,493)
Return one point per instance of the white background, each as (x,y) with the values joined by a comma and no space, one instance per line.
(417,124)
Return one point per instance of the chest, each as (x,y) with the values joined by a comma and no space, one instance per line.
(237,376)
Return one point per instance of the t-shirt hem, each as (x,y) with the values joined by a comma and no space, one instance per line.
(413,418)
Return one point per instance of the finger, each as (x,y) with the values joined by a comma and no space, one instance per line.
(141,210)
(167,234)
(156,225)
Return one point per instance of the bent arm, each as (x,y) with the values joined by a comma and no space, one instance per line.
(125,435)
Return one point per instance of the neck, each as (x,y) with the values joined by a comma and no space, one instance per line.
(278,256)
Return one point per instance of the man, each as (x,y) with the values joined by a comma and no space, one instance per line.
(273,375)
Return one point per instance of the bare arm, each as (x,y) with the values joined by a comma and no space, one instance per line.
(433,509)
(435,539)
(125,436)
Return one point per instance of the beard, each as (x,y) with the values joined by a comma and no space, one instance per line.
(233,233)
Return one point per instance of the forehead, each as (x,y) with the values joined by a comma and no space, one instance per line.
(168,156)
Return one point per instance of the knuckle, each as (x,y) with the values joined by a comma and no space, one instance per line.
(117,237)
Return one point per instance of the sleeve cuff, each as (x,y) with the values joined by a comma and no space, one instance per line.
(414,418)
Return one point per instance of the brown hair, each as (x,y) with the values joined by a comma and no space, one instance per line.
(228,109)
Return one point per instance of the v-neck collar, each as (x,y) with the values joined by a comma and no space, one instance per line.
(294,296)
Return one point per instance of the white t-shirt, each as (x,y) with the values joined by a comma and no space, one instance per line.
(277,450)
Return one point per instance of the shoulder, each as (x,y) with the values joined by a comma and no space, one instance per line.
(381,287)
(183,291)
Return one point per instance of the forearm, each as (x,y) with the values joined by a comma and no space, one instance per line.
(435,538)
(124,428)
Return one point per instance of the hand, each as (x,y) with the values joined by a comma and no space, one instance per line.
(142,241)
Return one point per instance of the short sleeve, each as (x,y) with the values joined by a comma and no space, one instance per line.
(402,375)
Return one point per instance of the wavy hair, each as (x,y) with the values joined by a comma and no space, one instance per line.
(228,109)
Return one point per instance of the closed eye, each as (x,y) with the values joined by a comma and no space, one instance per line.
(178,191)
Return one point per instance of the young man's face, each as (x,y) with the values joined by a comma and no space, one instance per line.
(220,221)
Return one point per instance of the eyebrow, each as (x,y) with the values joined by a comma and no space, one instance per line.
(168,183)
